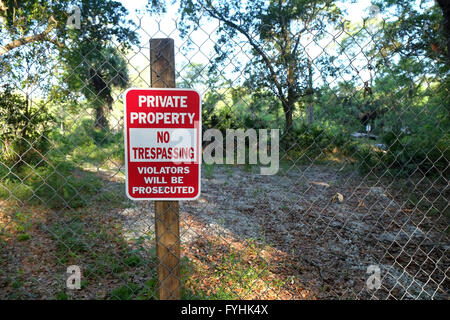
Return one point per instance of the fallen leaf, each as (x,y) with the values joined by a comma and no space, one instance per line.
(337,197)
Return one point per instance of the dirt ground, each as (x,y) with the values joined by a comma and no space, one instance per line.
(310,232)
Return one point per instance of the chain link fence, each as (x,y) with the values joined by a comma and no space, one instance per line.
(358,208)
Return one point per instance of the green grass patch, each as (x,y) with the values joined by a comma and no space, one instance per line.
(23,237)
(69,237)
(125,292)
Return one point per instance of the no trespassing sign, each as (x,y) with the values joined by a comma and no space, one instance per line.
(162,144)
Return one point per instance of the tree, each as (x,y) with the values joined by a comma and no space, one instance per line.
(404,45)
(95,71)
(90,56)
(445,7)
(274,31)
(26,22)
(418,31)
(24,127)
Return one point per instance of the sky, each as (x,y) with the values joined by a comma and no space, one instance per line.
(201,50)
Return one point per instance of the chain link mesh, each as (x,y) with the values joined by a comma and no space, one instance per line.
(344,207)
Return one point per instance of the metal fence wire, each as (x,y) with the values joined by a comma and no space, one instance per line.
(358,208)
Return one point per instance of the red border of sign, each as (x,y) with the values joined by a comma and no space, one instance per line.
(198,144)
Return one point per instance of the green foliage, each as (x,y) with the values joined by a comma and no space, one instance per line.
(61,181)
(23,237)
(85,60)
(24,128)
(368,160)
(102,21)
(125,292)
(70,239)
(416,30)
(86,144)
(314,142)
(274,32)
(63,186)
(94,70)
(208,170)
(426,151)
(133,260)
(61,295)
(147,291)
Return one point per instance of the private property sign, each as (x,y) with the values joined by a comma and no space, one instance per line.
(162,144)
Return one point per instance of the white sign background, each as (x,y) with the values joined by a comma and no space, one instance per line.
(147,138)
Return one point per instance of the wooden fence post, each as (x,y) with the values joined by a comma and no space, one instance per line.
(167,221)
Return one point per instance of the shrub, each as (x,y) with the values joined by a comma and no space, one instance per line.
(427,151)
(24,130)
(316,140)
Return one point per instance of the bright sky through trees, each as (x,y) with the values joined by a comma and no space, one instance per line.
(202,41)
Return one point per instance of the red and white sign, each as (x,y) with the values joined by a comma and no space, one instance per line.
(162,144)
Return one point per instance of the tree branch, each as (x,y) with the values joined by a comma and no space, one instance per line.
(44,36)
(3,6)
(214,13)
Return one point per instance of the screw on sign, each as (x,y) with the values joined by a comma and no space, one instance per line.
(162,144)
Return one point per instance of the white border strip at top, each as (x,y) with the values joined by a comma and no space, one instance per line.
(125,136)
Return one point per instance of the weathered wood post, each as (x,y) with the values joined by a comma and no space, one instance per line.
(167,222)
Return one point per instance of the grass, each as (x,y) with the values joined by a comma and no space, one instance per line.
(17,282)
(61,296)
(108,262)
(233,272)
(235,267)
(118,269)
(133,260)
(69,238)
(59,187)
(125,292)
(104,255)
(208,170)
(97,243)
(149,289)
(59,180)
(23,237)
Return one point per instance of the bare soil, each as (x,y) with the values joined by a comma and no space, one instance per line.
(310,232)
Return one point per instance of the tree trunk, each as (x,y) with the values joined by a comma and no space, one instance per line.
(100,118)
(445,7)
(103,92)
(288,113)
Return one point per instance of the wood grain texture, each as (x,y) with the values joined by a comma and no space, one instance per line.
(167,221)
